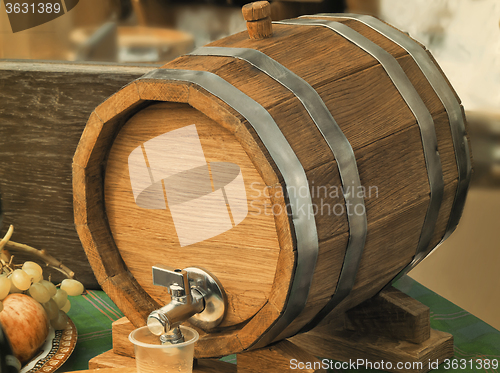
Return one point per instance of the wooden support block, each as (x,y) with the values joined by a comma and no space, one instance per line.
(109,359)
(391,328)
(108,370)
(121,329)
(111,362)
(348,345)
(393,314)
(213,366)
(278,358)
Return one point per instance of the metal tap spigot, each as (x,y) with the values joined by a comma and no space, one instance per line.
(195,295)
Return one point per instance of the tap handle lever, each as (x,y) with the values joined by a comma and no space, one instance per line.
(196,294)
(168,276)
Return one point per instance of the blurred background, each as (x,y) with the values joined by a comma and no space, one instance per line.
(132,31)
(463,36)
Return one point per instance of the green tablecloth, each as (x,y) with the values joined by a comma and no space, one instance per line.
(94,312)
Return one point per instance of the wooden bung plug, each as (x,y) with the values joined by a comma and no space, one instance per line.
(258,17)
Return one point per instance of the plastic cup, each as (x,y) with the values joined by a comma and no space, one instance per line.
(153,357)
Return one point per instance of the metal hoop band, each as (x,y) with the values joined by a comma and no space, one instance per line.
(447,98)
(288,164)
(338,144)
(427,132)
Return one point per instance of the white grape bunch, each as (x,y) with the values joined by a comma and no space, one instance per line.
(29,280)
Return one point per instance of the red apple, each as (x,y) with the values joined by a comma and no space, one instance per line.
(26,324)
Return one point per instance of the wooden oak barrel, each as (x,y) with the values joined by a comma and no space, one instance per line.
(305,171)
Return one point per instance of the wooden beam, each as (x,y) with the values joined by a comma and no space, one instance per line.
(349,346)
(45,107)
(109,362)
(283,356)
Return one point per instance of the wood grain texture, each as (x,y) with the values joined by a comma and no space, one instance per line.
(382,255)
(231,120)
(261,29)
(344,345)
(122,287)
(120,330)
(90,217)
(278,358)
(381,249)
(44,110)
(209,345)
(108,362)
(338,57)
(435,107)
(387,134)
(243,259)
(393,314)
(256,10)
(109,370)
(270,359)
(390,319)
(375,119)
(258,17)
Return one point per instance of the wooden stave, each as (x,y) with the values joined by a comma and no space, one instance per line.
(445,91)
(451,186)
(339,146)
(429,143)
(429,100)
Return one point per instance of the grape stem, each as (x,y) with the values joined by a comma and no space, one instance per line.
(42,254)
(7,237)
(49,260)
